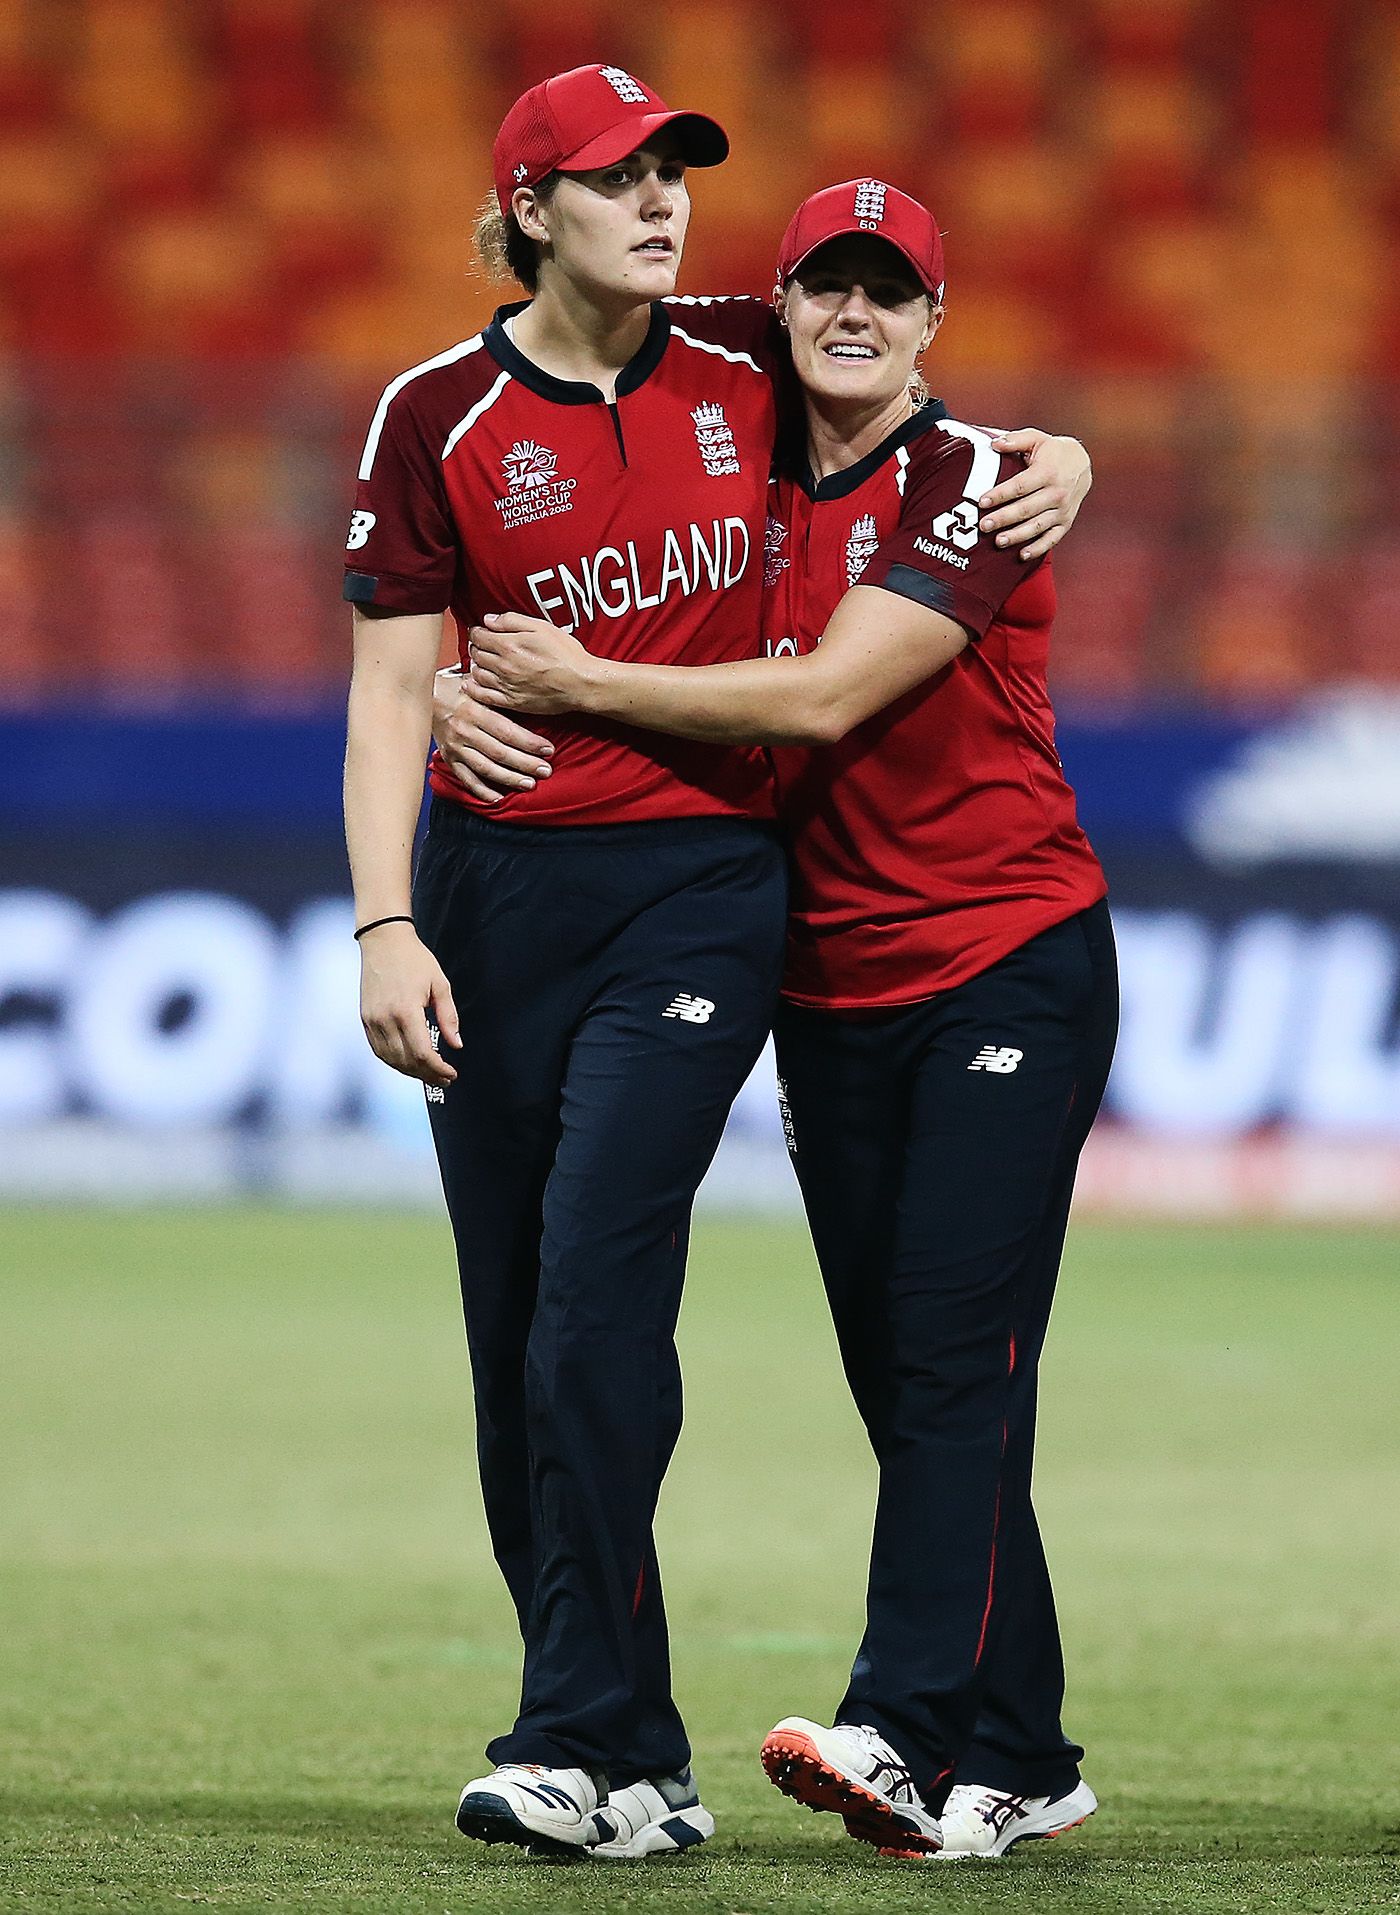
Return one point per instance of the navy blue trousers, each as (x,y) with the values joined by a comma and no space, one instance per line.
(615,985)
(936,1148)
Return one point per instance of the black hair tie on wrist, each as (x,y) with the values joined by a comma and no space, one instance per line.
(375,924)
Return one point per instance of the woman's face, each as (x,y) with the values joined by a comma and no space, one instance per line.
(618,231)
(858,319)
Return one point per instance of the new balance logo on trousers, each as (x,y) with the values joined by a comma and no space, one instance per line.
(695,1010)
(989,1058)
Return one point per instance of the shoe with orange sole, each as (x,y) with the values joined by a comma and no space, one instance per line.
(851,1771)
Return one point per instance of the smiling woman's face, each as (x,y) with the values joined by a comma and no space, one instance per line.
(858,319)
(618,230)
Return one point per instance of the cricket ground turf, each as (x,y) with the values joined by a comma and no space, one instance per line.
(253,1641)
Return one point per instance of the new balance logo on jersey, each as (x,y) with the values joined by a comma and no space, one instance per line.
(361,525)
(870,202)
(533,489)
(631,92)
(959,525)
(943,553)
(715,440)
(1003,1061)
(695,1010)
(860,547)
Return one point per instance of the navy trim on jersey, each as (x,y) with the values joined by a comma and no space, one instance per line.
(575,392)
(934,594)
(359,587)
(837,485)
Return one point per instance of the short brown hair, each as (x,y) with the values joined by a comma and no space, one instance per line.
(503,248)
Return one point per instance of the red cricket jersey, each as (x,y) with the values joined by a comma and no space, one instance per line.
(940,834)
(488,485)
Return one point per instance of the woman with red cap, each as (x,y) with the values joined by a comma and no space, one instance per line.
(948,1017)
(584,974)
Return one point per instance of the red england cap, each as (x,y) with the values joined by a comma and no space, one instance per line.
(865,206)
(591,116)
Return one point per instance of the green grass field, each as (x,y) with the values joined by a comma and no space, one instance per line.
(253,1642)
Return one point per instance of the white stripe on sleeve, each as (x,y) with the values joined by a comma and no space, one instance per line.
(708,345)
(986,461)
(396,386)
(463,426)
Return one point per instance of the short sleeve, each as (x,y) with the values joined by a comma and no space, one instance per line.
(402,550)
(936,555)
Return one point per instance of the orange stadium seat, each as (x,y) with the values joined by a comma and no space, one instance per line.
(28,656)
(275,62)
(1110,592)
(998,66)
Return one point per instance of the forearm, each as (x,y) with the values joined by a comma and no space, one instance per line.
(386,744)
(755,701)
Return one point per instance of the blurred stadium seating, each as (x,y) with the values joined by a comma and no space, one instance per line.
(1173,227)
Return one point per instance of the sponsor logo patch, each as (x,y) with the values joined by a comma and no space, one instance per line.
(943,553)
(361,525)
(958,525)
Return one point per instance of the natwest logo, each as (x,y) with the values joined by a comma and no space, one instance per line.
(534,491)
(944,553)
(959,524)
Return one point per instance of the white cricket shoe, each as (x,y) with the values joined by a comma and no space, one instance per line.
(852,1771)
(978,1821)
(548,1811)
(653,1818)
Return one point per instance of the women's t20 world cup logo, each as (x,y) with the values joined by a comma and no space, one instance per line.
(528,466)
(534,489)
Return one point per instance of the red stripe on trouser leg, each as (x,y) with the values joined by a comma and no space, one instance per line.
(996,1523)
(637,1597)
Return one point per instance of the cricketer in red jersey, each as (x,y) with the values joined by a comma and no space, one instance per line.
(486,482)
(939,834)
(599,964)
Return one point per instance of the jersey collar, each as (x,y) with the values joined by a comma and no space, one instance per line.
(575,392)
(838,485)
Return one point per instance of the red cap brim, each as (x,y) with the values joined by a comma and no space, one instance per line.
(920,270)
(704,142)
